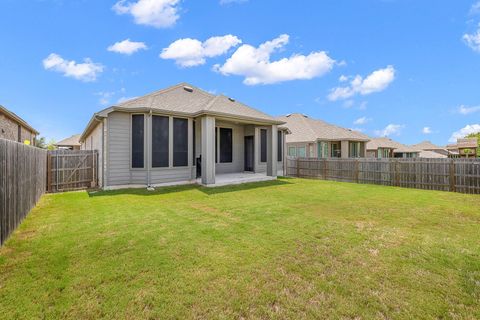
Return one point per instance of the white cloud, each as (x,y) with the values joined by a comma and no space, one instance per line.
(362,120)
(87,71)
(155,13)
(254,64)
(473,40)
(391,129)
(363,105)
(343,78)
(377,81)
(475,9)
(427,130)
(127,47)
(469,128)
(192,52)
(225,2)
(468,110)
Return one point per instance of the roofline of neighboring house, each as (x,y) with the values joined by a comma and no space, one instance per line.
(16,118)
(330,140)
(99,116)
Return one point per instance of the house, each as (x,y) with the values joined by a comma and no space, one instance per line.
(430,150)
(182,133)
(312,138)
(387,148)
(71,143)
(14,128)
(464,148)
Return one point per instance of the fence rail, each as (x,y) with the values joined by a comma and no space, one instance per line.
(22,183)
(72,170)
(456,175)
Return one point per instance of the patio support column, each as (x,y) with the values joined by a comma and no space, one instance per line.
(344,148)
(208,150)
(272,145)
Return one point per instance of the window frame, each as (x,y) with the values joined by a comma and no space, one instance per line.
(304,152)
(131,141)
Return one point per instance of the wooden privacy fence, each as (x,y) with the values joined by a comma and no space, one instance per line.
(72,170)
(22,183)
(457,175)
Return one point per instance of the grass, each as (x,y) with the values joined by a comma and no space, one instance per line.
(286,249)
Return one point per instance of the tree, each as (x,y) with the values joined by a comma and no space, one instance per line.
(40,143)
(476,135)
(51,145)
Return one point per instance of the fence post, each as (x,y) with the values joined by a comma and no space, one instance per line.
(298,167)
(452,175)
(325,168)
(49,172)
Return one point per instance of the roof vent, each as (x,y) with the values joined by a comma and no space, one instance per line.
(288,115)
(231,99)
(187,88)
(305,115)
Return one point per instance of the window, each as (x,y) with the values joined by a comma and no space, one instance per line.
(354,149)
(336,152)
(160,141)
(263,145)
(301,152)
(292,151)
(180,142)
(280,146)
(322,149)
(138,148)
(226,145)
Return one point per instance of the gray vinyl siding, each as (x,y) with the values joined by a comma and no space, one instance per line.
(94,142)
(119,172)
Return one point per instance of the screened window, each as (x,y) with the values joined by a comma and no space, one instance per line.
(226,145)
(292,151)
(301,152)
(138,148)
(160,141)
(194,142)
(279,146)
(180,142)
(263,145)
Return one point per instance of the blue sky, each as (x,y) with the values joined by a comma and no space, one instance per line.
(406,68)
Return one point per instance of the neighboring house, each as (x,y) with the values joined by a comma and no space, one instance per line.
(181,133)
(312,138)
(71,143)
(387,148)
(430,150)
(14,128)
(464,148)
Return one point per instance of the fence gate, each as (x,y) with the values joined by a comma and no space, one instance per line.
(72,170)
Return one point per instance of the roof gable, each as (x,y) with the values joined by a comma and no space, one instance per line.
(305,129)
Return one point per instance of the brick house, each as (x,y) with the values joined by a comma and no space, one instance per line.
(14,128)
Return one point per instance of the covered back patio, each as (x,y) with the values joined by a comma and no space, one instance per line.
(232,151)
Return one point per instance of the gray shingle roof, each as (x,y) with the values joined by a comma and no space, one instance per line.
(305,129)
(385,142)
(432,154)
(187,99)
(70,141)
(426,145)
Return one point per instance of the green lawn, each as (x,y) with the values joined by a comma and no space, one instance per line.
(286,249)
